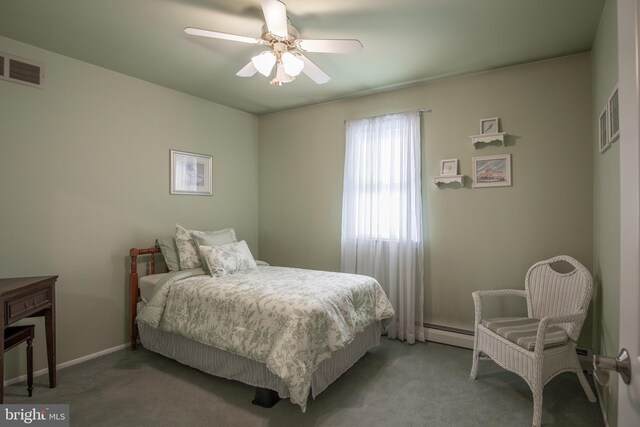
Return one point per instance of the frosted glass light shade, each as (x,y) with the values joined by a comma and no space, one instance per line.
(281,75)
(292,64)
(264,63)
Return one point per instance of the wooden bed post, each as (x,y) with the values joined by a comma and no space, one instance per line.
(133,298)
(134,291)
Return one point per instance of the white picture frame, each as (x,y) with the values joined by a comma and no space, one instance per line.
(191,173)
(603,130)
(449,167)
(613,116)
(489,126)
(492,171)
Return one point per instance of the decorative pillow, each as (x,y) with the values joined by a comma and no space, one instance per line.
(214,238)
(187,250)
(170,253)
(227,259)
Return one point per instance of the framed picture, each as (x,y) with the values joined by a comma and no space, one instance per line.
(190,173)
(603,135)
(492,171)
(489,126)
(613,116)
(448,167)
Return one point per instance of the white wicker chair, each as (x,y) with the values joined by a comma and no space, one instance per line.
(555,299)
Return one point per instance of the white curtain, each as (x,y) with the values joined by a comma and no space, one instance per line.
(382,214)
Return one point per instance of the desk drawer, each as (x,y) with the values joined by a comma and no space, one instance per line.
(25,305)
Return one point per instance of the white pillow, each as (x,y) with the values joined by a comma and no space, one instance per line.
(227,259)
(187,244)
(214,238)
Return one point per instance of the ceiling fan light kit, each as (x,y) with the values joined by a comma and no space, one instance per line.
(284,59)
(281,76)
(292,64)
(264,62)
(288,65)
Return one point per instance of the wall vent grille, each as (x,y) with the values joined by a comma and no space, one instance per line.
(20,70)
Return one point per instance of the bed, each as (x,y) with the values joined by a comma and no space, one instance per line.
(288,332)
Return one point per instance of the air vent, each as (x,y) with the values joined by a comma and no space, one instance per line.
(20,70)
(585,357)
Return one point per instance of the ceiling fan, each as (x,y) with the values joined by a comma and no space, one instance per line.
(283,60)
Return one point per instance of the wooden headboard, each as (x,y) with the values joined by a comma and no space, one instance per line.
(134,291)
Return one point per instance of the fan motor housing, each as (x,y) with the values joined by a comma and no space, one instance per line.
(271,38)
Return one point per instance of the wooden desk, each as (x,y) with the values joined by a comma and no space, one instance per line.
(29,297)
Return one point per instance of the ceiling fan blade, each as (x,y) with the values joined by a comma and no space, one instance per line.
(248,70)
(223,36)
(275,15)
(314,72)
(330,46)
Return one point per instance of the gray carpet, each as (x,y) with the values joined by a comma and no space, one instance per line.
(393,385)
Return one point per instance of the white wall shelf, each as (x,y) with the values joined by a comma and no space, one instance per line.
(437,180)
(487,138)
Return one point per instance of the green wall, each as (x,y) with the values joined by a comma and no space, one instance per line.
(606,203)
(85,171)
(84,175)
(475,238)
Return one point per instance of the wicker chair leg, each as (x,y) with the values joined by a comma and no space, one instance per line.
(585,385)
(537,408)
(476,353)
(474,366)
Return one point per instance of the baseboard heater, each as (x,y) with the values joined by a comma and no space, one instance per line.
(448,335)
(464,338)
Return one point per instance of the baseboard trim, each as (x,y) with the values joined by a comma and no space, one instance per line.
(67,364)
(448,336)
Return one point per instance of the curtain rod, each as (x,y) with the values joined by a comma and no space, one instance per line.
(419,110)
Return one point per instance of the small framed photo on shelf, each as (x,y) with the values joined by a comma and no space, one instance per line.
(449,167)
(489,126)
(603,133)
(190,173)
(492,171)
(613,116)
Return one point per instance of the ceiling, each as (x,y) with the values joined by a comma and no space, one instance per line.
(405,41)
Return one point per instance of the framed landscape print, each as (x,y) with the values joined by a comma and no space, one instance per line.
(190,173)
(492,171)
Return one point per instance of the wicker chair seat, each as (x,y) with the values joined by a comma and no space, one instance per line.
(523,331)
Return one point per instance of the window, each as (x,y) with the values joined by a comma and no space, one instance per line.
(382,214)
(382,178)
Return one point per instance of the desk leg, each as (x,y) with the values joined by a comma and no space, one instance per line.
(50,330)
(30,366)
